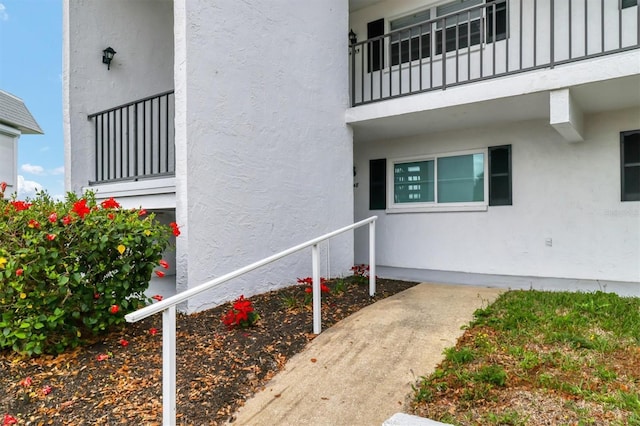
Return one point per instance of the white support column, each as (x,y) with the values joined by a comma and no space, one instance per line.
(565,115)
(315,272)
(169,366)
(372,258)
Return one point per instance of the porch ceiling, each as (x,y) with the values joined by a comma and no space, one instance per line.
(606,95)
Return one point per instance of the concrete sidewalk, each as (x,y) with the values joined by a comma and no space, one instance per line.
(360,371)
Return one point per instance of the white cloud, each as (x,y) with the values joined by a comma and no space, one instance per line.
(27,188)
(4,16)
(33,169)
(58,171)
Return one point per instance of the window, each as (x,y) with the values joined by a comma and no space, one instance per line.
(457,26)
(464,23)
(412,43)
(413,182)
(629,3)
(438,180)
(500,175)
(630,165)
(378,184)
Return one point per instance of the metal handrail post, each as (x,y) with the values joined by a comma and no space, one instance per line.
(169,366)
(372,258)
(315,274)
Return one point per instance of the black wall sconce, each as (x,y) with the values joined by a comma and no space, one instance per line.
(353,39)
(107,56)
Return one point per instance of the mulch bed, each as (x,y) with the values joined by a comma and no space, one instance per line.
(217,369)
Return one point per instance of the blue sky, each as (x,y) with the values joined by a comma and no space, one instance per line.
(31,69)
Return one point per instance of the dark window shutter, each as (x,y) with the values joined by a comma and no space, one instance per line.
(378,184)
(500,175)
(500,18)
(630,165)
(375,53)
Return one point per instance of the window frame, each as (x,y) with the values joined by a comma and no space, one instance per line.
(624,196)
(435,206)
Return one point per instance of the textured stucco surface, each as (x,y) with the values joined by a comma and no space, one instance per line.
(264,158)
(568,192)
(141,32)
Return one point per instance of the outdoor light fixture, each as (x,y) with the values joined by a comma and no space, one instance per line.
(107,56)
(353,38)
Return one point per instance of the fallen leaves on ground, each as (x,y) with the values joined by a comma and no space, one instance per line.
(112,382)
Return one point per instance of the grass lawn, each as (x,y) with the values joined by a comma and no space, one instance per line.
(534,358)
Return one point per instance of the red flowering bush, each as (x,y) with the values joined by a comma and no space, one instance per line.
(308,282)
(72,269)
(241,314)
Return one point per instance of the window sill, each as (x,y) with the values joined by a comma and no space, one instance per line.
(437,209)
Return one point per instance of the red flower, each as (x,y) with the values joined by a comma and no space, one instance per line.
(26,382)
(46,390)
(66,220)
(142,212)
(308,290)
(51,237)
(80,208)
(110,204)
(114,309)
(160,274)
(124,342)
(3,186)
(96,295)
(324,288)
(9,420)
(20,205)
(153,331)
(111,216)
(229,319)
(176,229)
(164,264)
(34,224)
(102,357)
(307,281)
(19,272)
(157,297)
(53,217)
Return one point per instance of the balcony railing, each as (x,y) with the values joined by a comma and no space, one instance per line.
(494,39)
(136,140)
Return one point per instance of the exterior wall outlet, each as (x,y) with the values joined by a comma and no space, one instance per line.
(548,242)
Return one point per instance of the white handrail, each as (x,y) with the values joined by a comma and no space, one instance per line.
(168,306)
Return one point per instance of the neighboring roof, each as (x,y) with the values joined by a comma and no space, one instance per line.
(15,114)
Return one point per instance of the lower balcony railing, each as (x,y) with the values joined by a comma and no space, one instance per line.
(491,38)
(136,140)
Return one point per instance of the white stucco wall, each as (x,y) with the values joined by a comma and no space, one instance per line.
(568,192)
(263,155)
(9,158)
(141,33)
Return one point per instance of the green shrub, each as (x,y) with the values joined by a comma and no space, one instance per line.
(71,270)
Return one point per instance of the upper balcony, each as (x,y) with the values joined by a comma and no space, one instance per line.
(135,150)
(460,43)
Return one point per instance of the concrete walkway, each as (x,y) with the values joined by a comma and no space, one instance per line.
(360,371)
